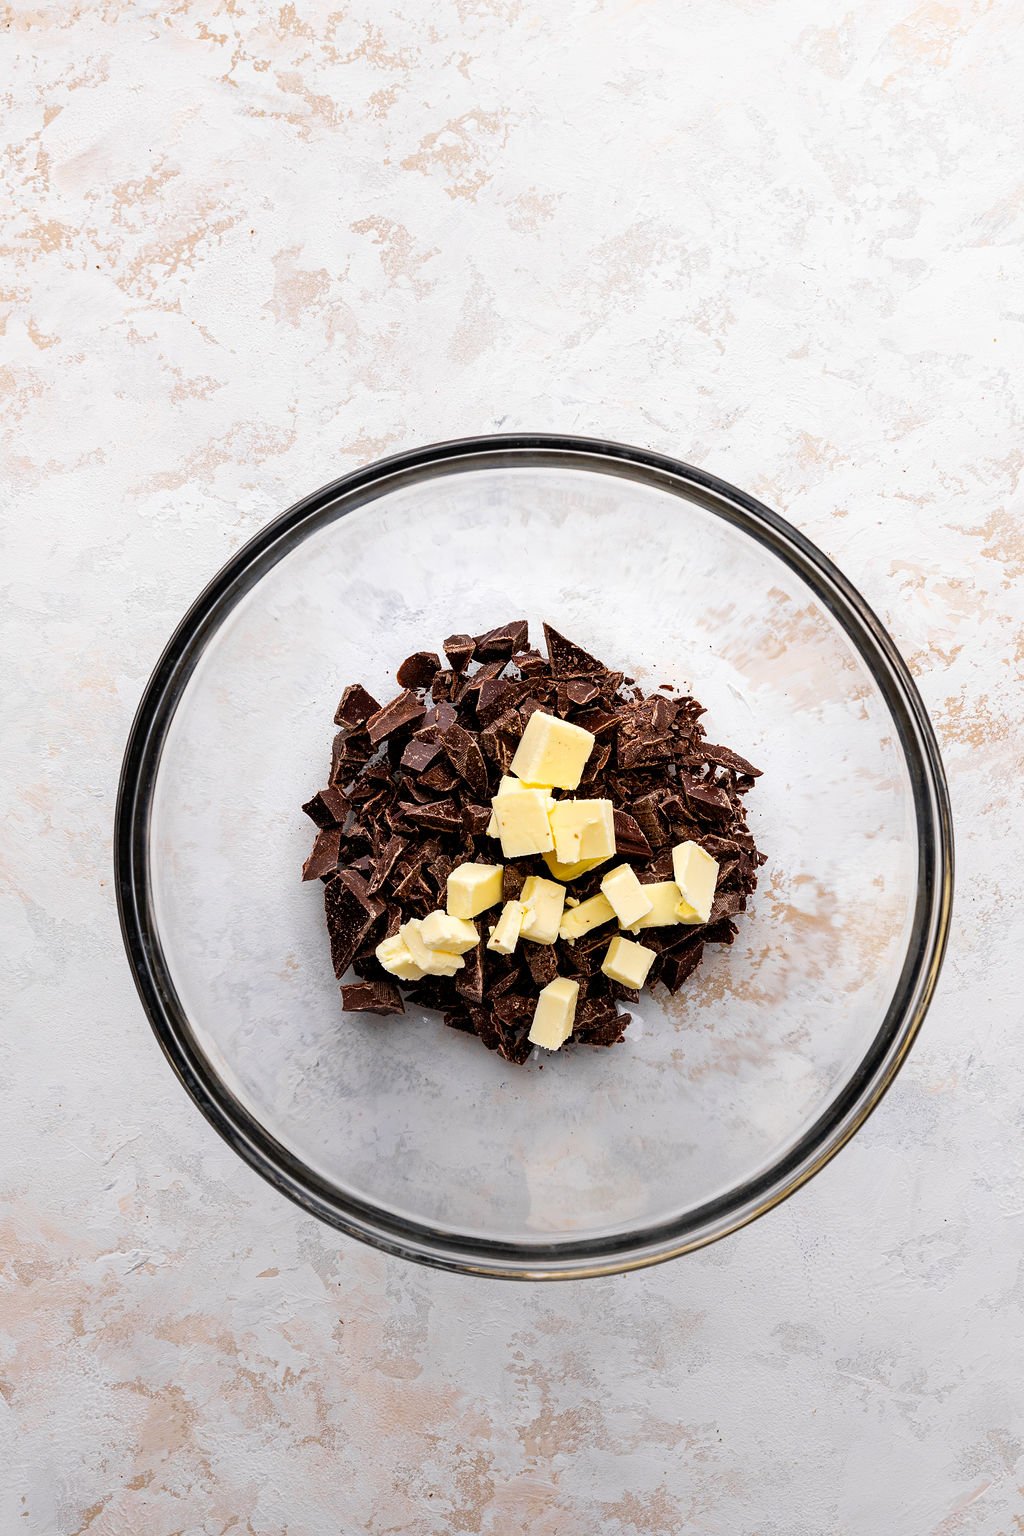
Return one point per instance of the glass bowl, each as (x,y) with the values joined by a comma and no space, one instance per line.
(410,1135)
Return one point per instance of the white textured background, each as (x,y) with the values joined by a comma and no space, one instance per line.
(247,247)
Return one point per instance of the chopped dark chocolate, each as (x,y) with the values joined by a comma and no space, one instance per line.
(401,711)
(356,706)
(500,644)
(417,670)
(459,650)
(381,997)
(352,914)
(409,799)
(328,808)
(324,858)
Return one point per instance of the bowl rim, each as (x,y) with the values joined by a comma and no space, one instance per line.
(421,1242)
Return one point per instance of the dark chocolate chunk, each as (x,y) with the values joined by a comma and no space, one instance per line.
(476,819)
(386,861)
(598,1022)
(459,650)
(440,779)
(417,670)
(419,755)
(323,860)
(629,838)
(381,997)
(460,1018)
(705,797)
(401,711)
(469,982)
(328,808)
(349,754)
(356,706)
(568,659)
(500,644)
(445,685)
(542,962)
(512,881)
(577,692)
(725,757)
(440,816)
(352,914)
(437,719)
(463,752)
(678,964)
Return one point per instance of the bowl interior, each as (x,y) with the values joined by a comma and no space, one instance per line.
(712,1087)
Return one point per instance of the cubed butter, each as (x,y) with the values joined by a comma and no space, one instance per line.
(552,751)
(544,901)
(583,829)
(572,871)
(663,896)
(626,962)
(586,915)
(432,962)
(696,875)
(626,894)
(394,956)
(505,933)
(472,888)
(442,931)
(521,816)
(555,1013)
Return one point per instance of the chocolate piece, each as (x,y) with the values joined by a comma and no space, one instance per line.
(380,997)
(400,712)
(568,659)
(459,650)
(352,914)
(445,685)
(598,1022)
(463,752)
(499,644)
(437,720)
(356,706)
(349,754)
(476,819)
(417,670)
(469,982)
(440,779)
(440,815)
(725,757)
(512,881)
(542,962)
(460,1018)
(577,692)
(324,858)
(386,861)
(678,964)
(705,797)
(629,838)
(328,807)
(419,755)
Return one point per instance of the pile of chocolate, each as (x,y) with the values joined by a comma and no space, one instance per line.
(409,798)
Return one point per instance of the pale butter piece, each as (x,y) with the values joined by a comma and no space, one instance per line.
(626,894)
(696,875)
(440,930)
(472,888)
(432,962)
(572,871)
(663,896)
(521,817)
(626,962)
(586,915)
(552,751)
(555,1013)
(505,933)
(583,829)
(544,901)
(394,956)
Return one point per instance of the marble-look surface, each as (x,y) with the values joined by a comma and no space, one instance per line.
(248,246)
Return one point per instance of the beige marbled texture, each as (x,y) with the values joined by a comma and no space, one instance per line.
(247,246)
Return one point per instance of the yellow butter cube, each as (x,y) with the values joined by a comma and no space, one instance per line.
(663,896)
(552,751)
(583,829)
(442,931)
(555,1013)
(586,915)
(505,933)
(626,895)
(394,956)
(432,962)
(696,875)
(544,901)
(627,963)
(472,888)
(521,816)
(572,871)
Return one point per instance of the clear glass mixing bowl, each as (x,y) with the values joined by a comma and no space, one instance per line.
(410,1135)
